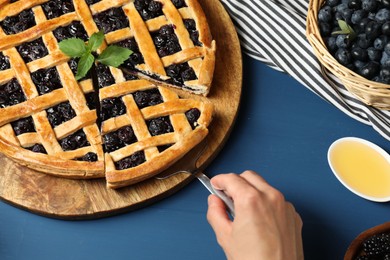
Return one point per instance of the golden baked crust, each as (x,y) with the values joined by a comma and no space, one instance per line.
(61,161)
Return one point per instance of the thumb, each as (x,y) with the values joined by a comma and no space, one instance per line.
(218,218)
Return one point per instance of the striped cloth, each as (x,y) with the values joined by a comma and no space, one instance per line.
(258,23)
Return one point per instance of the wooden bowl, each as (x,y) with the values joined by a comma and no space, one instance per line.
(356,247)
(370,92)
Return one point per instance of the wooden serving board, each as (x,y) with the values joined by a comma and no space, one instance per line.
(82,199)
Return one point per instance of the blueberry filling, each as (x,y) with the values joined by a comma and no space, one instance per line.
(146,98)
(46,80)
(162,148)
(179,3)
(23,125)
(193,116)
(118,139)
(104,76)
(111,20)
(32,50)
(159,126)
(37,148)
(75,29)
(194,33)
(89,157)
(112,107)
(18,23)
(131,161)
(60,113)
(148,9)
(166,41)
(56,8)
(92,100)
(74,141)
(11,93)
(129,77)
(180,73)
(4,62)
(91,2)
(136,57)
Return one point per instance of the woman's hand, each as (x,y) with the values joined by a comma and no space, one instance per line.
(265,227)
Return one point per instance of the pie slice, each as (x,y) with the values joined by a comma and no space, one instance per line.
(146,128)
(123,127)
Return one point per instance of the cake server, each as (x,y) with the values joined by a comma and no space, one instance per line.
(188,165)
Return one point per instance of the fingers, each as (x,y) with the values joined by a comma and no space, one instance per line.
(218,218)
(234,184)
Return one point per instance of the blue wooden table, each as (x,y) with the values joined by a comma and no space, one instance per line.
(282,131)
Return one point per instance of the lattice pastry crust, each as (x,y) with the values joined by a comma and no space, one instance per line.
(49,121)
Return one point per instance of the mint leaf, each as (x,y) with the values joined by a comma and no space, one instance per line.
(73,47)
(114,55)
(345,29)
(85,64)
(95,41)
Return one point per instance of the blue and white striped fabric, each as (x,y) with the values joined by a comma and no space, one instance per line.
(258,23)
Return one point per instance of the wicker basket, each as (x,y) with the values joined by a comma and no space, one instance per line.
(370,92)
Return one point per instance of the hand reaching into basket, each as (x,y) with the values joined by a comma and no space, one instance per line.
(265,225)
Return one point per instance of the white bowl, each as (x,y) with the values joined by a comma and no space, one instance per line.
(351,183)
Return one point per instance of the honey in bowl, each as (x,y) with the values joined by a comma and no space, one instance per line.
(362,167)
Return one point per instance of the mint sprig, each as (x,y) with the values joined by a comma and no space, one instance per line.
(76,48)
(345,29)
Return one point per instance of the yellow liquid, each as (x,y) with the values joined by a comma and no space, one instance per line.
(361,168)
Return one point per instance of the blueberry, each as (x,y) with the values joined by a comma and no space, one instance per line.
(385,3)
(354,4)
(380,42)
(369,5)
(332,3)
(387,48)
(359,54)
(325,14)
(342,41)
(357,16)
(374,54)
(360,26)
(386,28)
(369,70)
(373,30)
(385,60)
(343,56)
(331,44)
(383,15)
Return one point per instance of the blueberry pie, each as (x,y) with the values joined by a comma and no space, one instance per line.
(125,127)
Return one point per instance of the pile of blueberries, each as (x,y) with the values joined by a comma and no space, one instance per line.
(366,48)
